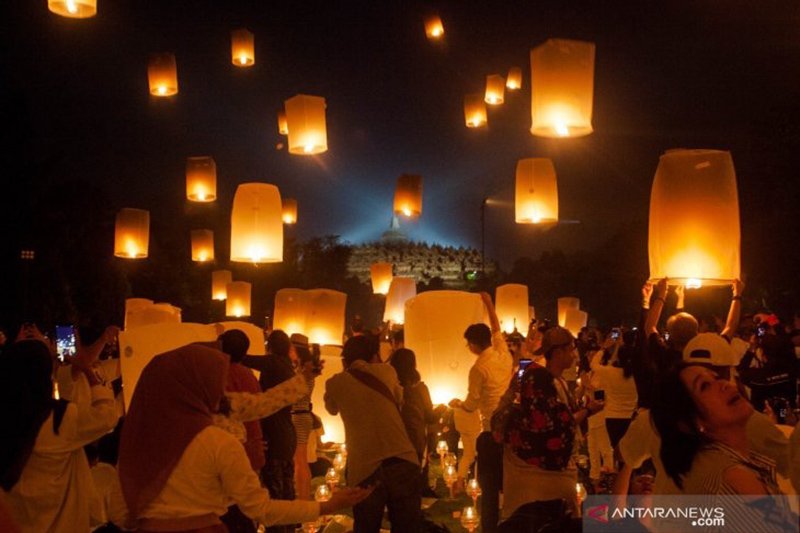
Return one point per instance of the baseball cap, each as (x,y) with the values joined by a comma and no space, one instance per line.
(298,339)
(553,338)
(710,349)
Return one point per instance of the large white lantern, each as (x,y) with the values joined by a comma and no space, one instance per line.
(132,233)
(381,274)
(564,304)
(238,302)
(325,318)
(536,194)
(256,224)
(291,308)
(400,290)
(575,320)
(219,284)
(305,120)
(511,304)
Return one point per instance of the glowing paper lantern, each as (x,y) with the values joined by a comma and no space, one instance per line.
(334,427)
(381,274)
(201,179)
(575,320)
(219,284)
(562,92)
(434,329)
(132,233)
(238,302)
(146,314)
(202,245)
(474,110)
(564,304)
(694,219)
(400,290)
(289,215)
(495,89)
(283,127)
(536,198)
(243,49)
(256,224)
(133,305)
(162,74)
(75,9)
(305,118)
(408,195)
(325,318)
(511,303)
(434,30)
(514,79)
(291,308)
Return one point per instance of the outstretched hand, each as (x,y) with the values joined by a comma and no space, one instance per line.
(346,497)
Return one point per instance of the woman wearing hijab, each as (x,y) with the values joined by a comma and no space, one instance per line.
(178,471)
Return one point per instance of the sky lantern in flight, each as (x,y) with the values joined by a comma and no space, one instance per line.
(511,304)
(201,179)
(256,224)
(305,119)
(514,79)
(162,74)
(283,127)
(325,316)
(219,284)
(474,110)
(536,193)
(291,308)
(564,304)
(495,89)
(74,9)
(289,212)
(202,245)
(238,301)
(575,320)
(132,233)
(408,195)
(243,49)
(562,88)
(381,274)
(400,290)
(434,29)
(694,234)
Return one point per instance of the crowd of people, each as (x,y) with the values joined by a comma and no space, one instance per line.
(209,445)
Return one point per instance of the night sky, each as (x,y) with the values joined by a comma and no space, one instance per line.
(704,74)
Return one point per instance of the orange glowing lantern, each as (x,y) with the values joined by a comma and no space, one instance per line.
(511,302)
(132,233)
(495,89)
(201,179)
(575,320)
(289,215)
(562,92)
(474,110)
(536,198)
(256,225)
(514,79)
(238,302)
(381,274)
(202,245)
(162,73)
(74,9)
(243,49)
(219,284)
(434,29)
(694,236)
(291,308)
(400,290)
(135,305)
(283,127)
(325,318)
(564,304)
(408,195)
(305,118)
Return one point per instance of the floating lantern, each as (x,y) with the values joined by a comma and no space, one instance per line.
(289,215)
(201,179)
(434,30)
(256,225)
(238,302)
(305,119)
(381,274)
(694,236)
(400,290)
(514,79)
(408,195)
(575,320)
(565,303)
(495,89)
(243,50)
(474,110)
(562,73)
(325,318)
(162,73)
(202,245)
(74,9)
(536,198)
(283,127)
(219,284)
(511,302)
(132,233)
(291,308)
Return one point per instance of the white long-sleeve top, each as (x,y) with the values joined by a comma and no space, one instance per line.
(488,379)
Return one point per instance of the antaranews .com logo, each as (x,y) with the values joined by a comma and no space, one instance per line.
(696,516)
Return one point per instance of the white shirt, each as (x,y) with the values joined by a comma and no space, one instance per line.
(488,380)
(109,505)
(621,398)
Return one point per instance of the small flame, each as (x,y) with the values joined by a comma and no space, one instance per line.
(243,59)
(162,90)
(309,148)
(288,219)
(131,249)
(437,32)
(72,7)
(693,283)
(202,256)
(407,211)
(561,129)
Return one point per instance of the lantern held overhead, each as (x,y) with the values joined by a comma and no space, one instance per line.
(132,233)
(289,215)
(202,245)
(564,304)
(474,110)
(325,317)
(256,224)
(562,88)
(305,118)
(575,320)
(381,274)
(219,284)
(74,9)
(511,302)
(434,29)
(243,49)
(495,89)
(201,179)
(400,290)
(514,79)
(162,74)
(238,302)
(536,193)
(408,195)
(694,234)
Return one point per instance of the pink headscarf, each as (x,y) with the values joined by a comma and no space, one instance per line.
(174,399)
